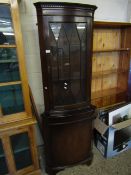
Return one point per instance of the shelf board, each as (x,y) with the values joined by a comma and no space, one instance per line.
(14,121)
(107,72)
(106,92)
(8,61)
(107,24)
(111,50)
(21,150)
(69,80)
(10,83)
(8,46)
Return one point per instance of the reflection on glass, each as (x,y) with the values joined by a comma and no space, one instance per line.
(11,99)
(8,54)
(63,55)
(68,62)
(9,72)
(55,29)
(21,150)
(3,165)
(9,68)
(6,28)
(81,27)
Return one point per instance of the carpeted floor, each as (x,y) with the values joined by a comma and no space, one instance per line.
(119,165)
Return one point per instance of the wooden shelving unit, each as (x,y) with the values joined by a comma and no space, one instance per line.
(111,63)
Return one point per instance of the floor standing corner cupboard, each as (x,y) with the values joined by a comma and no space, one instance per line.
(18,153)
(65,35)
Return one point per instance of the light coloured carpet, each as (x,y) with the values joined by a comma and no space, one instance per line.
(119,165)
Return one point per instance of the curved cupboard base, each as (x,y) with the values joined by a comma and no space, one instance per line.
(69,142)
(54,170)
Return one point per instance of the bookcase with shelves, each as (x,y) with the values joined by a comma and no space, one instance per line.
(110,63)
(18,153)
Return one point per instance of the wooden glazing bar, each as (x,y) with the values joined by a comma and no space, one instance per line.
(10,83)
(7,46)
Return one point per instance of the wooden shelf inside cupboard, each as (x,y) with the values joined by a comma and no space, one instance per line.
(99,74)
(106,93)
(110,63)
(111,50)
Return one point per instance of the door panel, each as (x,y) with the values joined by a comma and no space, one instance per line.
(67,61)
(21,150)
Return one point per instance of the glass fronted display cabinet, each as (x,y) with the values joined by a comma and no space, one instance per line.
(65,35)
(18,154)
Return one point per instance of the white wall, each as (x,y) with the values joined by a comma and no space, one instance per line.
(129,11)
(109,10)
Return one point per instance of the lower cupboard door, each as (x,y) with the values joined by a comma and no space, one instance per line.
(21,150)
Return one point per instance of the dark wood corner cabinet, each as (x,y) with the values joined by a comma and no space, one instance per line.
(65,35)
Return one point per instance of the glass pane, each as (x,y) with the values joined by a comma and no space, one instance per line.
(11,99)
(63,55)
(3,165)
(6,28)
(9,68)
(68,62)
(21,150)
(81,27)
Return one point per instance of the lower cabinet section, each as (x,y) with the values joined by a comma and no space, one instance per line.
(68,139)
(18,153)
(70,143)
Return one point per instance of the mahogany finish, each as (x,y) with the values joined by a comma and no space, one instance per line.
(65,36)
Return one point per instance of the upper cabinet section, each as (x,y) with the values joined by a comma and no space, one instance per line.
(66,31)
(57,9)
(14,91)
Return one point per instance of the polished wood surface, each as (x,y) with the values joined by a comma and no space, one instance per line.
(65,36)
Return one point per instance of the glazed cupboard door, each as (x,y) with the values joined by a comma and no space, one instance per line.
(18,154)
(20,145)
(11,100)
(68,60)
(14,93)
